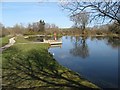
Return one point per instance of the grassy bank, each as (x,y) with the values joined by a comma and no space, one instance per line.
(4,41)
(21,39)
(31,66)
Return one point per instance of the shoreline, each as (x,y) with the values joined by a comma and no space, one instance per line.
(77,78)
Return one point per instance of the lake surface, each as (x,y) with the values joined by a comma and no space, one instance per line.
(96,59)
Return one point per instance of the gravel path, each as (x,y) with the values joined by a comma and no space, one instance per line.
(11,42)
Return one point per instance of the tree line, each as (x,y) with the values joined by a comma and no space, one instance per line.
(81,13)
(31,28)
(49,29)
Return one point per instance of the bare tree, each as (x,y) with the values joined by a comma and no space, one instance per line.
(80,19)
(35,26)
(114,28)
(1,25)
(98,9)
(3,30)
(18,29)
(48,26)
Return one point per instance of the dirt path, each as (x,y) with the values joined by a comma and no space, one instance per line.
(11,42)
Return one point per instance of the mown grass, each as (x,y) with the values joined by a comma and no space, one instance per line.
(21,39)
(31,66)
(4,41)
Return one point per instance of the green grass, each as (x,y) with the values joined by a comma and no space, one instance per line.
(4,41)
(21,39)
(30,65)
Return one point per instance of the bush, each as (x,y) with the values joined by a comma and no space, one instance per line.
(114,28)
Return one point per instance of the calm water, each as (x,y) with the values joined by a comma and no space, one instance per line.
(96,59)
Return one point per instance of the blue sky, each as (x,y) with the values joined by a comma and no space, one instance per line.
(29,12)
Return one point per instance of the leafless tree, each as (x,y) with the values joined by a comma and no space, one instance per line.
(80,19)
(17,29)
(1,25)
(114,28)
(48,26)
(103,9)
(35,26)
(3,30)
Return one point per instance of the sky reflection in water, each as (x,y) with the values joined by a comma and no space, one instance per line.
(94,58)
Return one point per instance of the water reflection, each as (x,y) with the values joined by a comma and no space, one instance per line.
(113,41)
(93,57)
(80,47)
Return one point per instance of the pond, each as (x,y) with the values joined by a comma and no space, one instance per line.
(96,59)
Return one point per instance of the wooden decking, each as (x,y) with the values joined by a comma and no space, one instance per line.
(56,45)
(53,42)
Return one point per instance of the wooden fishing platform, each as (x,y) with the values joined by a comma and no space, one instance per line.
(53,42)
(57,45)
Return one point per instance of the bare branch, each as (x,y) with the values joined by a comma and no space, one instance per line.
(104,9)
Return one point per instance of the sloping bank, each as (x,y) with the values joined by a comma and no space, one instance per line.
(31,66)
(4,41)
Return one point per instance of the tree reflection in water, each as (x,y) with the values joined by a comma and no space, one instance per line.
(80,47)
(34,69)
(113,41)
